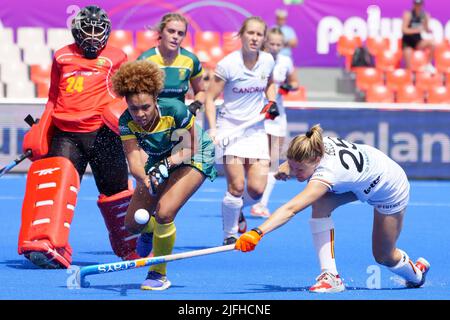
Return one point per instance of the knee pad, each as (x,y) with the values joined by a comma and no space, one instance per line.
(232,201)
(114,209)
(319,225)
(47,210)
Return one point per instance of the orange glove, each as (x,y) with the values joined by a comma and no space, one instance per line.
(249,240)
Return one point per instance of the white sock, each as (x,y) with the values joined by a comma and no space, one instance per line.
(249,201)
(231,208)
(406,269)
(323,237)
(269,187)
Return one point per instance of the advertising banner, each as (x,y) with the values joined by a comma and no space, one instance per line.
(317,23)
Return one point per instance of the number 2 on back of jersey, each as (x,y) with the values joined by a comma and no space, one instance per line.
(349,151)
(75,84)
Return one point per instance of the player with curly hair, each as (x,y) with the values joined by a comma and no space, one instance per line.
(180,157)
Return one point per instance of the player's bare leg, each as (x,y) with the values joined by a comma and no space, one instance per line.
(386,230)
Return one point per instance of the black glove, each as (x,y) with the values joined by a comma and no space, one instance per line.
(194,106)
(271,110)
(159,172)
(285,88)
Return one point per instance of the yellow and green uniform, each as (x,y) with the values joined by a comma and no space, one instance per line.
(185,67)
(159,142)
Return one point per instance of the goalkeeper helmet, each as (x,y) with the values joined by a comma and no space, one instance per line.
(91,28)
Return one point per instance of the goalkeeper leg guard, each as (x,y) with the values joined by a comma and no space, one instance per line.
(47,212)
(114,209)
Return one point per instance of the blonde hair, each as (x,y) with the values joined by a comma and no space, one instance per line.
(248,20)
(274,31)
(138,77)
(171,17)
(307,147)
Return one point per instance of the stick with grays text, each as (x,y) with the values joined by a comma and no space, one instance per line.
(138,263)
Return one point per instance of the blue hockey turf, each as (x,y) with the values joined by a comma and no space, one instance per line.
(283,266)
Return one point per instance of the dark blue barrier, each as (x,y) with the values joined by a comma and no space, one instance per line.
(418,140)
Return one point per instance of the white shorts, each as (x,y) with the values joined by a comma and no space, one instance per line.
(393,197)
(251,143)
(277,127)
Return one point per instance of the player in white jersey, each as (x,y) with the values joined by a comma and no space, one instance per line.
(244,76)
(286,80)
(339,172)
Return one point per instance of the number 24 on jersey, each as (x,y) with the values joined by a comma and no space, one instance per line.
(75,84)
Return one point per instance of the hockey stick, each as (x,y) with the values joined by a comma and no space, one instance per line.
(138,263)
(14,163)
(30,121)
(224,138)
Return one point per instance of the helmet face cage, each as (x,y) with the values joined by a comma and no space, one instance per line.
(90,29)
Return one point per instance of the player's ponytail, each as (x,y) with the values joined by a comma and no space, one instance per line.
(307,147)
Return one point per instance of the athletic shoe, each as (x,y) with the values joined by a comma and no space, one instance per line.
(328,283)
(42,260)
(242,223)
(260,210)
(155,281)
(144,244)
(229,240)
(424,266)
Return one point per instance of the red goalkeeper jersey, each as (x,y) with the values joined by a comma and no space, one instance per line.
(81,88)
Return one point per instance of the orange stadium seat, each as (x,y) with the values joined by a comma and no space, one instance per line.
(204,40)
(426,80)
(121,38)
(205,58)
(387,61)
(419,61)
(231,42)
(443,61)
(42,89)
(132,52)
(146,39)
(366,77)
(216,54)
(297,95)
(346,47)
(376,45)
(187,41)
(441,46)
(40,73)
(439,94)
(398,78)
(379,93)
(410,94)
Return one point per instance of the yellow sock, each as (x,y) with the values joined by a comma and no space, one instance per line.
(163,241)
(150,227)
